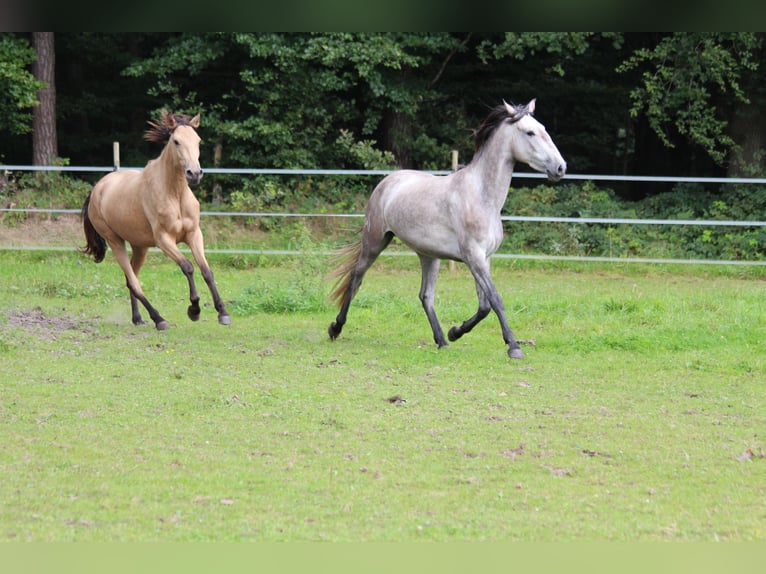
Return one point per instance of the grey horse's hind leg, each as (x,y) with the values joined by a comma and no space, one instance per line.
(430,271)
(370,248)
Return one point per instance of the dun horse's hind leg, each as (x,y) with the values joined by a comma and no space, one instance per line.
(430,271)
(136,262)
(489,298)
(136,293)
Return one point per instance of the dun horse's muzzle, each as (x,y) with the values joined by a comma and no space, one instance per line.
(193,177)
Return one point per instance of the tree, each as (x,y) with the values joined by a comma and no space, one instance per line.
(44,140)
(691,83)
(660,103)
(281,100)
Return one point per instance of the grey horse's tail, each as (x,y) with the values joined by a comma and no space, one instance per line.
(96,246)
(347,258)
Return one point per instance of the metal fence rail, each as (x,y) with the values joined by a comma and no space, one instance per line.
(384,172)
(533,218)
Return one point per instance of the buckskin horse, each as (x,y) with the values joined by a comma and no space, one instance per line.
(154,207)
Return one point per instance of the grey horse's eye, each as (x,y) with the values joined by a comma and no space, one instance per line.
(530,133)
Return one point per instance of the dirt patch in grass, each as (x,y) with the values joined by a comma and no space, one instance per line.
(37,322)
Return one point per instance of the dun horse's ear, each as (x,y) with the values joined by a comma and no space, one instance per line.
(194,122)
(531,105)
(169,120)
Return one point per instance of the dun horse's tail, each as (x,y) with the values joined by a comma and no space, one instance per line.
(347,257)
(96,244)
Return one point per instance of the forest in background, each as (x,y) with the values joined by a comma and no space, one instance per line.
(616,103)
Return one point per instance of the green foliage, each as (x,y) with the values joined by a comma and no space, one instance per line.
(685,202)
(564,45)
(569,200)
(286,97)
(303,292)
(258,195)
(18,87)
(684,74)
(363,153)
(692,201)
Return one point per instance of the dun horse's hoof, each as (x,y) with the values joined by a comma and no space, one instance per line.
(224,319)
(515,353)
(333,331)
(193,312)
(163,325)
(454,334)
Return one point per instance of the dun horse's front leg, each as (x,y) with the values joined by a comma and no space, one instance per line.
(223,315)
(169,247)
(193,310)
(196,244)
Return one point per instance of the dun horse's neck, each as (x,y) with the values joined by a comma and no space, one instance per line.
(494,164)
(174,178)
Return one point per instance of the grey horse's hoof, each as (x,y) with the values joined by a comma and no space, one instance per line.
(163,325)
(224,319)
(515,353)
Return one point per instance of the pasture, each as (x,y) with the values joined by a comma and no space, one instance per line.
(638,413)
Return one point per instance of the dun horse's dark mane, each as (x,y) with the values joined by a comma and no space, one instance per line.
(160,131)
(496,116)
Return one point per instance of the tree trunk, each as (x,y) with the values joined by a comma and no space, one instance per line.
(44,141)
(398,134)
(747,129)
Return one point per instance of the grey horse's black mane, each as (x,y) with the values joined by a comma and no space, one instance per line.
(497,116)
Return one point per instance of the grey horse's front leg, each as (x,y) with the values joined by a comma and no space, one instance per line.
(489,299)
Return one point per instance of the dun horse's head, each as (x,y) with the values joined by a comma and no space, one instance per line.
(532,144)
(179,132)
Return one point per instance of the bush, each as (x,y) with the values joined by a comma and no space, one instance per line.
(685,202)
(569,200)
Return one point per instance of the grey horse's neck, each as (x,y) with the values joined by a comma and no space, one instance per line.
(494,166)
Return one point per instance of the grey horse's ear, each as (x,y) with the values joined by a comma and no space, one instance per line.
(509,108)
(531,105)
(194,122)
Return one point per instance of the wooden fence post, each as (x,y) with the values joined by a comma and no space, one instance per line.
(116,155)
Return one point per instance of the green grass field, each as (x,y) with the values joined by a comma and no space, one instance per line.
(637,415)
